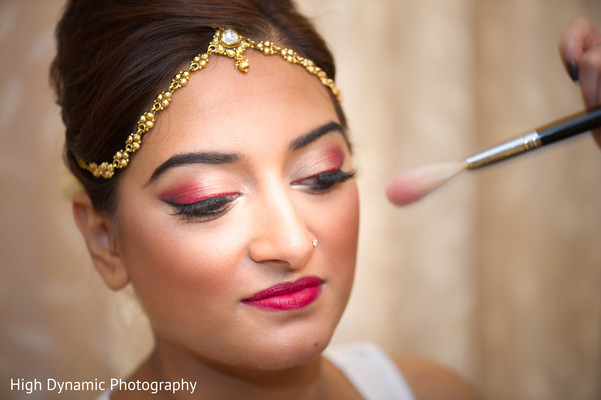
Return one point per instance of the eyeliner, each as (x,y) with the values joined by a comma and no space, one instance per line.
(542,136)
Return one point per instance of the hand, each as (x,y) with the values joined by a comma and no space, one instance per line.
(580,50)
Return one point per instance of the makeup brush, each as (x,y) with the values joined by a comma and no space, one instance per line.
(411,185)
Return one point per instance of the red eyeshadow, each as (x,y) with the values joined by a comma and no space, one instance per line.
(187,193)
(335,156)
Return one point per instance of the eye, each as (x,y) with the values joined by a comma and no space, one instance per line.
(324,181)
(205,209)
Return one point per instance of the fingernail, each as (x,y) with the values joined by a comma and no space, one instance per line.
(573,71)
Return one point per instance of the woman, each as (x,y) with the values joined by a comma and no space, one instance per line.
(235,218)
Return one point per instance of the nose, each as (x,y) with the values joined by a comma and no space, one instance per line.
(281,235)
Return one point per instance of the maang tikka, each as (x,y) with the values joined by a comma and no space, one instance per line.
(225,42)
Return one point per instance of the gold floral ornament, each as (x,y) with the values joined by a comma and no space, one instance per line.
(225,42)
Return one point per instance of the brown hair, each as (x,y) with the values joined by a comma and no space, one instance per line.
(114,55)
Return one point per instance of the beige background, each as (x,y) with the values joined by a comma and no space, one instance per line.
(497,275)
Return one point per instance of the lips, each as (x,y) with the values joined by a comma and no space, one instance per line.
(287,296)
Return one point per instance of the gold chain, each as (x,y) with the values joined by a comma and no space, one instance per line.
(225,42)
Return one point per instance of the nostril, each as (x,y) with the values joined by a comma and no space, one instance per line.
(274,248)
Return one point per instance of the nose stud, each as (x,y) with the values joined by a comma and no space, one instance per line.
(314,242)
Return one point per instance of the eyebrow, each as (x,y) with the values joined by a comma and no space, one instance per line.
(179,160)
(305,140)
(214,158)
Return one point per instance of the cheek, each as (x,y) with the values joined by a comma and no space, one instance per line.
(345,235)
(338,247)
(340,235)
(171,263)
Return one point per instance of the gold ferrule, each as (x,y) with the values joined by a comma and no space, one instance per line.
(504,151)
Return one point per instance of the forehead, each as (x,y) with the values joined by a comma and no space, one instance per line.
(221,102)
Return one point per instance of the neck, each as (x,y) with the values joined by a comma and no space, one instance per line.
(217,381)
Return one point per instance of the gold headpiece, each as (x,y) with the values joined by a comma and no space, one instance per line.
(225,42)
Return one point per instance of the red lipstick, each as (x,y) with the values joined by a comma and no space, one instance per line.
(287,296)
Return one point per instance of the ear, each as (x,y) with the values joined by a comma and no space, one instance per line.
(100,239)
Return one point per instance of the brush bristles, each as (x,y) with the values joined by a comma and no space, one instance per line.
(410,186)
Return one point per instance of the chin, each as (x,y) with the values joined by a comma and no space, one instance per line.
(295,355)
(290,351)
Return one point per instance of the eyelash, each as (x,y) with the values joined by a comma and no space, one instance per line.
(324,181)
(207,209)
(213,207)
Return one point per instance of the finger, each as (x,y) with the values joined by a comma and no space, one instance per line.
(579,36)
(590,67)
(590,78)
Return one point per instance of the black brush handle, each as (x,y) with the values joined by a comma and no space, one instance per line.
(570,126)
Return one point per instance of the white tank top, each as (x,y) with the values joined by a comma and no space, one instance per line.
(373,374)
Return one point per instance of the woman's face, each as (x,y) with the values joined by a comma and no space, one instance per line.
(223,201)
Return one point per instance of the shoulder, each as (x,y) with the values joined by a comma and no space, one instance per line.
(431,381)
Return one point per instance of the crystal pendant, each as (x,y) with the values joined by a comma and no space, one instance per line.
(230,37)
